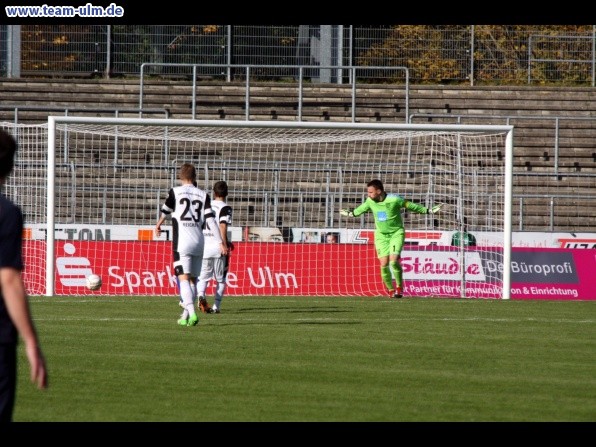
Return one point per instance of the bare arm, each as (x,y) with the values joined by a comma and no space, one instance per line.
(166,210)
(217,234)
(223,230)
(159,223)
(17,306)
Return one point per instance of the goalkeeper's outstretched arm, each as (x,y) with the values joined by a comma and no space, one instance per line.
(420,209)
(355,212)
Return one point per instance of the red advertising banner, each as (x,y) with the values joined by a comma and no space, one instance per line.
(306,269)
(551,273)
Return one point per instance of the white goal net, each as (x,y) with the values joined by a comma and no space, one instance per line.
(91,190)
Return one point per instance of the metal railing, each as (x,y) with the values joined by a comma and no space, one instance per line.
(302,74)
(16,109)
(460,119)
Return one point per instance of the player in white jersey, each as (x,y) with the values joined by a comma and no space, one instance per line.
(215,263)
(190,209)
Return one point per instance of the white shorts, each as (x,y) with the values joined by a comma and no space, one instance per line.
(188,265)
(214,268)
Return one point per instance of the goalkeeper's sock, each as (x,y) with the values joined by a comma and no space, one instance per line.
(398,272)
(386,277)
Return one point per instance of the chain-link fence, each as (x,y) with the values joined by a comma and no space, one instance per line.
(459,54)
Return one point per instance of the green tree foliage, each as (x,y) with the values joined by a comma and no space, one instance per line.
(61,48)
(431,53)
(504,54)
(501,52)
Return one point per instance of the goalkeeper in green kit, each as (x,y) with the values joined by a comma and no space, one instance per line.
(389,230)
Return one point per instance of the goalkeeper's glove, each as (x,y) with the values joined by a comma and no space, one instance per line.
(346,212)
(434,209)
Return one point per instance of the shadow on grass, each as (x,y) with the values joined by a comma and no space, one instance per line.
(287,323)
(292,310)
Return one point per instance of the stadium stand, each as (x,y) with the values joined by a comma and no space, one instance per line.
(555,127)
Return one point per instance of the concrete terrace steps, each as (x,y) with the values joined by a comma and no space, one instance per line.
(516,100)
(533,138)
(431,99)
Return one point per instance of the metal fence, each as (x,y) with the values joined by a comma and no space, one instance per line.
(486,54)
(251,74)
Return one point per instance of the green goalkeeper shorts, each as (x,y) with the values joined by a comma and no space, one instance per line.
(389,244)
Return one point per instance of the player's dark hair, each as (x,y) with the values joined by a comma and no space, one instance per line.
(377,184)
(188,172)
(8,149)
(220,189)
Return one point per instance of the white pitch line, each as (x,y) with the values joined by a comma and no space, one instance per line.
(216,319)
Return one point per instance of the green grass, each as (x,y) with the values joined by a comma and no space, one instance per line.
(287,359)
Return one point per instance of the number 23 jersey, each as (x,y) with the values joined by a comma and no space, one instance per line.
(189,207)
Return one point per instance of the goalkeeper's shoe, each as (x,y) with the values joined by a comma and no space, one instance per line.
(204,306)
(183,322)
(398,293)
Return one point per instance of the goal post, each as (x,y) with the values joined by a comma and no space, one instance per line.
(107,178)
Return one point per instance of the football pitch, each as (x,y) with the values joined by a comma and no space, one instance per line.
(313,359)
